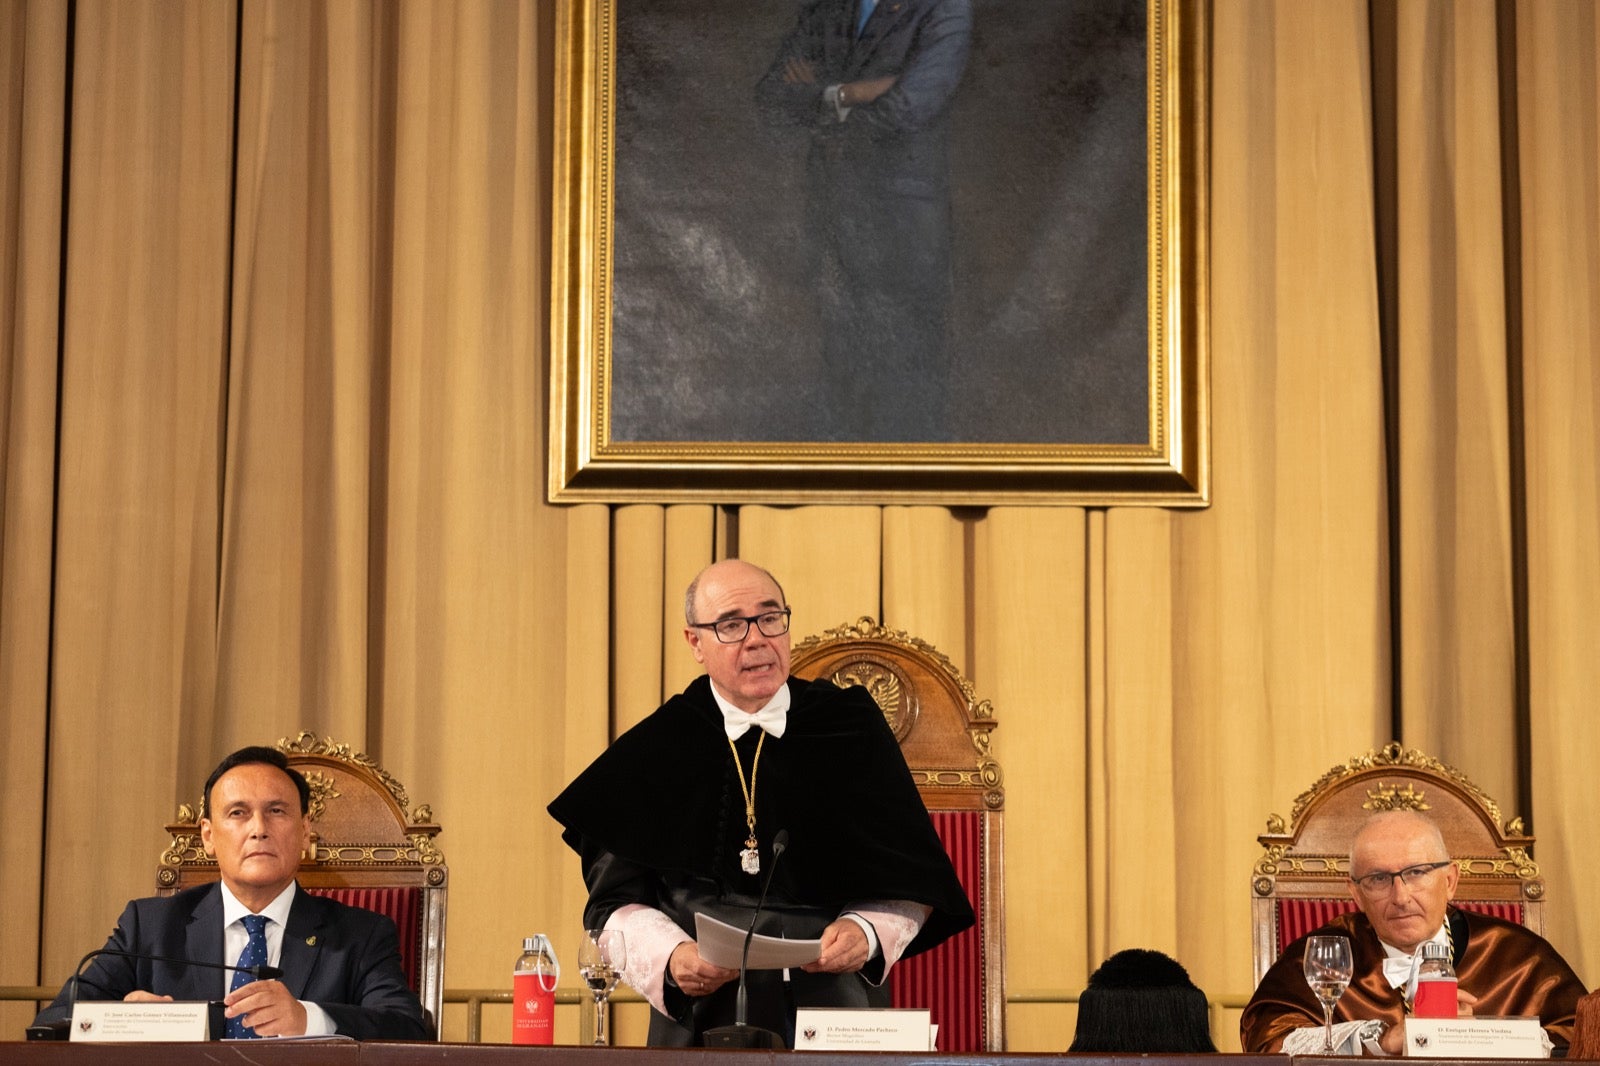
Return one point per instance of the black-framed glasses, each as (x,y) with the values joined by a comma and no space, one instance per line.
(734,630)
(1380,881)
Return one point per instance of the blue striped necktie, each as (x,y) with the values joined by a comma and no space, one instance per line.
(866,13)
(254,954)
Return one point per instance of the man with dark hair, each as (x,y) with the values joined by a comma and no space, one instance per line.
(678,817)
(257,754)
(341,965)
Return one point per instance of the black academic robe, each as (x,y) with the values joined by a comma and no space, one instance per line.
(658,819)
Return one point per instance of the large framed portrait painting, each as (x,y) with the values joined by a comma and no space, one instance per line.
(947,251)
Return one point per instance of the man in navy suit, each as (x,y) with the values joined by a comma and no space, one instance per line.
(872,81)
(341,965)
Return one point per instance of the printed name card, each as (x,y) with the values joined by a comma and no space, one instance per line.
(1476,1038)
(113,1020)
(908,1029)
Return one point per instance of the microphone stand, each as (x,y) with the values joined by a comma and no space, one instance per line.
(741,1034)
(61,1029)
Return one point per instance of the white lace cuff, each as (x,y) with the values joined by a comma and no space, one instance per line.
(651,937)
(1348,1038)
(895,923)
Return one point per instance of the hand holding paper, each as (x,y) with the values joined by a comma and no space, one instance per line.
(844,949)
(722,945)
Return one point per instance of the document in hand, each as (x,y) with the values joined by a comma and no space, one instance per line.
(722,944)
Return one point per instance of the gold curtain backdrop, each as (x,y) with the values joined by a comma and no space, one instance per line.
(273,350)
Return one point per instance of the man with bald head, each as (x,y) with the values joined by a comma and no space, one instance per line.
(678,816)
(1402,878)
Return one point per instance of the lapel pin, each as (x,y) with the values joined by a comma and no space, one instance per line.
(311,941)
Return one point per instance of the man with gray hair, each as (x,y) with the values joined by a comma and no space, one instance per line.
(1402,879)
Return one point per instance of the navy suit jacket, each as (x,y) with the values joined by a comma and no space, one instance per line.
(344,959)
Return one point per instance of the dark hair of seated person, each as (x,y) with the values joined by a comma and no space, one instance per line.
(1142,1001)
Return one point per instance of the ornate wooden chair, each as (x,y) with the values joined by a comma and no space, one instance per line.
(367,852)
(1300,882)
(943,731)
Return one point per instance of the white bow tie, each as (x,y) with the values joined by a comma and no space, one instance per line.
(772,719)
(1397,971)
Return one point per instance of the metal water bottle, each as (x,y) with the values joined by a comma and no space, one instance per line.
(533,992)
(1436,983)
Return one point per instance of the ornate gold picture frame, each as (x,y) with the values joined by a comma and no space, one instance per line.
(683,343)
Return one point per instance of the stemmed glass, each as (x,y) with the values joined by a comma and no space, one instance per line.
(1328,971)
(601,959)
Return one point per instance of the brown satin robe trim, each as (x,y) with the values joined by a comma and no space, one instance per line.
(1511,970)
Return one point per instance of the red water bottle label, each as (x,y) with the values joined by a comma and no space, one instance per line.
(533,1008)
(1435,999)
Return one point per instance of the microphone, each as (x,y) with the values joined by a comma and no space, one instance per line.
(59,1029)
(741,1034)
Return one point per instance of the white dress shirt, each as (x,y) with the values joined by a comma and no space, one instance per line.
(234,939)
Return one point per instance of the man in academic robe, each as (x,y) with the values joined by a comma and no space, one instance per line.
(1402,878)
(341,971)
(678,816)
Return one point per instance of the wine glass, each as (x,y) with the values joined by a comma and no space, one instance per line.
(601,959)
(1328,971)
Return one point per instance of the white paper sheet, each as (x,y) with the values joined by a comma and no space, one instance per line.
(722,944)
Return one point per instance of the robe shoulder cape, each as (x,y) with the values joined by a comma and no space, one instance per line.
(665,796)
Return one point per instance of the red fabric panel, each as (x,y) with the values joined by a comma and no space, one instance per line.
(403,906)
(948,980)
(1511,912)
(1297,917)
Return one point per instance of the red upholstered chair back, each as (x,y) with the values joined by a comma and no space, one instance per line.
(368,851)
(1297,917)
(403,906)
(1301,881)
(943,731)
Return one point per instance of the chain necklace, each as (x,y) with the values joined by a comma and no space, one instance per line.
(750,857)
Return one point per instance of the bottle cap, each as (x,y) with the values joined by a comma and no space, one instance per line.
(531,943)
(1432,949)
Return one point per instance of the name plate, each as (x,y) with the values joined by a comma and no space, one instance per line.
(109,1021)
(852,1029)
(1476,1038)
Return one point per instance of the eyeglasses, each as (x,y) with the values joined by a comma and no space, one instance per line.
(734,630)
(1380,881)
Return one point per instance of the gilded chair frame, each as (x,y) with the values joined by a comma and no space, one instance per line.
(1307,859)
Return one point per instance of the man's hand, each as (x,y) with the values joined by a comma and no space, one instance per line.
(1393,1040)
(140,996)
(844,949)
(797,71)
(860,93)
(268,1007)
(695,975)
